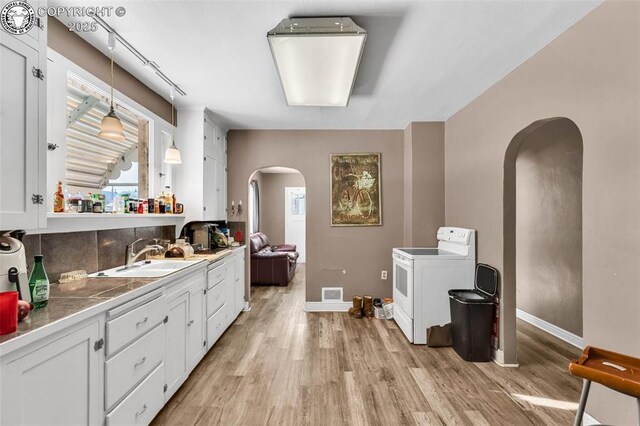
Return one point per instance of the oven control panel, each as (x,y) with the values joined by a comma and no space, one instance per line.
(454,235)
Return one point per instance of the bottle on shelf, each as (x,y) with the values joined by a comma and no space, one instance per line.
(39,284)
(58,199)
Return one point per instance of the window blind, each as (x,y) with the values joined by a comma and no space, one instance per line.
(92,161)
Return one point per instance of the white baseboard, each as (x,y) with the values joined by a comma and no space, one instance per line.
(554,330)
(497,356)
(327,306)
(588,420)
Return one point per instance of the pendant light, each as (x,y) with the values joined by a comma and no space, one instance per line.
(111,126)
(172,155)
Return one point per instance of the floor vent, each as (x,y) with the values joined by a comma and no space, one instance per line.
(332,294)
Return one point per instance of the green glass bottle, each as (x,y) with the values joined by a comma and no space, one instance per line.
(39,284)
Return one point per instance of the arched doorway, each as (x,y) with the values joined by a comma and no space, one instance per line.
(542,220)
(277,208)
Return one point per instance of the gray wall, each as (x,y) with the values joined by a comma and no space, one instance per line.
(549,225)
(362,251)
(272,203)
(423,183)
(588,74)
(82,53)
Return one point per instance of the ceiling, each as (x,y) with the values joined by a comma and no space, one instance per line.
(423,60)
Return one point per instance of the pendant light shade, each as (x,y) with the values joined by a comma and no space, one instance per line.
(172,155)
(111,127)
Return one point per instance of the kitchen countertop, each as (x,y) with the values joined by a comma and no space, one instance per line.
(74,302)
(68,299)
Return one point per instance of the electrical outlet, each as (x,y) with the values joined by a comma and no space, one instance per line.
(383,275)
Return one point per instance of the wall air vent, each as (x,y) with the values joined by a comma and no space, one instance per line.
(332,294)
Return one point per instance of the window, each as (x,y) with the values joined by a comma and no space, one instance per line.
(297,207)
(94,164)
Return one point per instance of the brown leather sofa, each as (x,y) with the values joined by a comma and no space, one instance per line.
(271,264)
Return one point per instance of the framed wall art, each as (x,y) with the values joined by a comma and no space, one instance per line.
(355,189)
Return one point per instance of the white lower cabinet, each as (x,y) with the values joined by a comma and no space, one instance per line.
(238,286)
(185,330)
(57,384)
(141,405)
(130,366)
(196,327)
(121,367)
(217,323)
(175,364)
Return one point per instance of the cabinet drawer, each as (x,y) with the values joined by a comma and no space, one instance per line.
(131,325)
(216,275)
(216,325)
(141,406)
(129,367)
(216,297)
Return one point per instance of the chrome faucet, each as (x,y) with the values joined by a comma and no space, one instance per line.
(130,256)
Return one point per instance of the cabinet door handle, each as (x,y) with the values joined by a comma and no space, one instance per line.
(144,408)
(139,323)
(139,363)
(190,323)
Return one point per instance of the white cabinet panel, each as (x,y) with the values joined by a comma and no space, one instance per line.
(131,366)
(239,283)
(216,325)
(58,384)
(202,180)
(216,274)
(133,324)
(141,406)
(209,139)
(196,337)
(176,344)
(19,138)
(221,191)
(221,146)
(210,208)
(216,297)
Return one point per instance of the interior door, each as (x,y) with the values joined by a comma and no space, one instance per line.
(19,143)
(295,206)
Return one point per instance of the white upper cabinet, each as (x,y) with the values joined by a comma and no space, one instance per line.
(22,132)
(202,176)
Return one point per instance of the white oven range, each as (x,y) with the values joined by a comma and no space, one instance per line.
(422,278)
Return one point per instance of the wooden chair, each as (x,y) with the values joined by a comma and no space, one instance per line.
(613,370)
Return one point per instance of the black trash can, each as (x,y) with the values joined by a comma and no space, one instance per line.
(472,316)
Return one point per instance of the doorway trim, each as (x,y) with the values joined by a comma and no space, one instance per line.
(506,355)
(249,209)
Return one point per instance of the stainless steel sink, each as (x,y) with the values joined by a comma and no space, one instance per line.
(146,269)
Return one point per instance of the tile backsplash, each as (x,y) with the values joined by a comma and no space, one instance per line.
(89,250)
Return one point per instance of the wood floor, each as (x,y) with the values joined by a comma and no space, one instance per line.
(278,365)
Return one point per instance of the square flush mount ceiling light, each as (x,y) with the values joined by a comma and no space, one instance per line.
(317,59)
